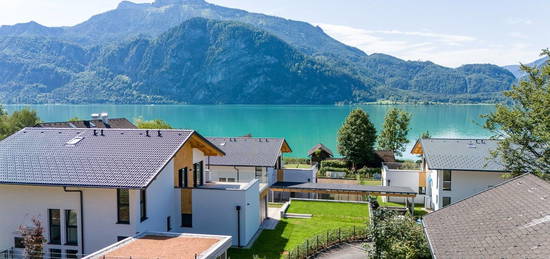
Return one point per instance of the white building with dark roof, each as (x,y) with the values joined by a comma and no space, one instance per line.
(509,220)
(454,169)
(93,187)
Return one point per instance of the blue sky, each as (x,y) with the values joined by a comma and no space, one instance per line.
(446,32)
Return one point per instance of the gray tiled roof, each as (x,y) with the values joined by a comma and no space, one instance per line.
(245,151)
(121,123)
(511,220)
(124,158)
(461,154)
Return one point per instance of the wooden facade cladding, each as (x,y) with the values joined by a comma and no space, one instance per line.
(280,175)
(422,179)
(342,192)
(184,159)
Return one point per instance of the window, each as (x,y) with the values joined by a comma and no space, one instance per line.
(187,220)
(231,180)
(258,171)
(54,221)
(69,254)
(421,190)
(198,170)
(55,253)
(143,204)
(446,201)
(182,178)
(446,180)
(123,206)
(168,224)
(120,238)
(222,179)
(18,242)
(71,227)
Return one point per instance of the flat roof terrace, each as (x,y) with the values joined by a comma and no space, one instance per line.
(167,246)
(330,188)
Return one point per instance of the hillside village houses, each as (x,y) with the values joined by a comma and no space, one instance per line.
(104,190)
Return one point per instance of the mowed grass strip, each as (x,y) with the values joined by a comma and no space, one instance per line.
(293,232)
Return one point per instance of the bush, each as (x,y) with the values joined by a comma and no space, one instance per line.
(323,170)
(366,171)
(296,160)
(335,164)
(397,236)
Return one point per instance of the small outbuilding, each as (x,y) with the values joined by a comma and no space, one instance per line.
(319,153)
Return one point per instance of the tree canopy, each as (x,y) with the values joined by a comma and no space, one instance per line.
(356,138)
(152,124)
(10,124)
(394,134)
(524,126)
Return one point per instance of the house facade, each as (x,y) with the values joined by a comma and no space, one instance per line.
(401,174)
(454,169)
(92,188)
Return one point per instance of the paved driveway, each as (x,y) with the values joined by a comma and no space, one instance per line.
(348,251)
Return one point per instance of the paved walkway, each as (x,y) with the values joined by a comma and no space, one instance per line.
(274,215)
(348,251)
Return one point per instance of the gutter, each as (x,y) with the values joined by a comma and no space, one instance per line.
(428,239)
(238,208)
(81,217)
(238,178)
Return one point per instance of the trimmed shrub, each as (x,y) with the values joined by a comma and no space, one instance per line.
(323,170)
(335,164)
(296,160)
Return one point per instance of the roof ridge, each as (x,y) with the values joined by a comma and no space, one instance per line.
(105,129)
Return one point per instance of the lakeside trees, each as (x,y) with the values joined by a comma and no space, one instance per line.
(10,124)
(394,134)
(524,126)
(356,138)
(152,124)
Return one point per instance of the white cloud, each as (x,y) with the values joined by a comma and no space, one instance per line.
(445,49)
(520,21)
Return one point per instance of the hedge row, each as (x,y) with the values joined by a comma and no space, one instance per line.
(335,163)
(296,160)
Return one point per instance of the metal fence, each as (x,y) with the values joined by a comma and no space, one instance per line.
(325,240)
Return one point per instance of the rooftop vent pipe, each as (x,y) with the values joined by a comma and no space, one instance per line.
(160,135)
(147,133)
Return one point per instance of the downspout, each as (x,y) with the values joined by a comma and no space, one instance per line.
(238,178)
(81,217)
(238,208)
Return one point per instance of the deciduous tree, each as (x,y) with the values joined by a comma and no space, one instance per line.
(394,134)
(152,124)
(33,239)
(524,126)
(356,138)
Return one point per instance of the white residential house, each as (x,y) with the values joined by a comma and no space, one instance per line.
(93,187)
(398,174)
(457,168)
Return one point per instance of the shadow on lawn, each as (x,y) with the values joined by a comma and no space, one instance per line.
(269,245)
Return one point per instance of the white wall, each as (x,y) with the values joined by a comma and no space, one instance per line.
(463,185)
(100,214)
(246,173)
(403,178)
(299,175)
(161,199)
(220,214)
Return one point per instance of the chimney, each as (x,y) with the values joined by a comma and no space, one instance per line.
(102,133)
(95,132)
(105,118)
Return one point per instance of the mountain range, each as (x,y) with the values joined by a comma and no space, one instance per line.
(191,51)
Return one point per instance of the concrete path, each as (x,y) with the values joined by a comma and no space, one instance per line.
(348,251)
(274,215)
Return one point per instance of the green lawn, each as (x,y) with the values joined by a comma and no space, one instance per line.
(418,208)
(297,166)
(372,182)
(293,232)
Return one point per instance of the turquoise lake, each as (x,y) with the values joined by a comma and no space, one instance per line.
(302,125)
